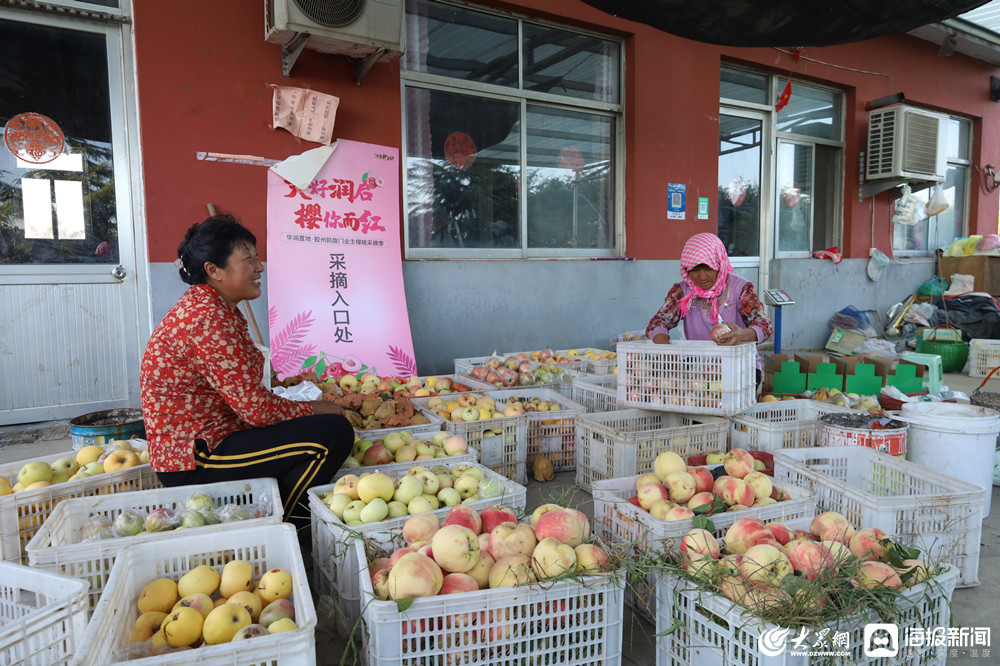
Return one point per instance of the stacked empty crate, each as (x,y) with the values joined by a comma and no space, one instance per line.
(783,424)
(940,515)
(334,570)
(550,433)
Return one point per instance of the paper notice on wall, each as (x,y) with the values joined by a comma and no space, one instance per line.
(305,113)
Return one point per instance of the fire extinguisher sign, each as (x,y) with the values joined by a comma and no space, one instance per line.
(676,195)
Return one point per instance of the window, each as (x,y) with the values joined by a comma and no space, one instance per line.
(940,230)
(512,144)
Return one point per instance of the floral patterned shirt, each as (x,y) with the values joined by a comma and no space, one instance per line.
(751,310)
(200,379)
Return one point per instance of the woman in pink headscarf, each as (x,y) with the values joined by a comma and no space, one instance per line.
(711,294)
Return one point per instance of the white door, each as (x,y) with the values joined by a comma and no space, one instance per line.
(69,308)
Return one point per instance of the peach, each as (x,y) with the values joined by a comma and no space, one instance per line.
(651,492)
(456,548)
(679,513)
(398,554)
(808,536)
(913,572)
(809,558)
(872,575)
(494,515)
(643,480)
(736,491)
(838,551)
(484,542)
(380,584)
(763,501)
(542,510)
(760,483)
(667,462)
(660,508)
(680,485)
(766,564)
(379,564)
(481,572)
(512,570)
(719,483)
(464,515)
(458,582)
(414,575)
(701,568)
(700,499)
(552,559)
(744,533)
(591,558)
(698,543)
(869,544)
(569,526)
(780,532)
(703,479)
(420,527)
(832,526)
(730,563)
(509,538)
(738,463)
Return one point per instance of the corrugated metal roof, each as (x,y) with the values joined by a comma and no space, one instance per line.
(986,16)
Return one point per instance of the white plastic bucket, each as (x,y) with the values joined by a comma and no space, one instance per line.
(954,439)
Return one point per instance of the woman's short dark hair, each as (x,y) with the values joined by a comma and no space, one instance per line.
(210,241)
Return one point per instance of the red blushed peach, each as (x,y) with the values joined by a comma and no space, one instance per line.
(380,584)
(780,532)
(643,480)
(494,515)
(414,575)
(481,572)
(458,582)
(719,483)
(660,508)
(426,551)
(738,463)
(512,570)
(679,513)
(873,575)
(380,564)
(764,563)
(698,543)
(634,500)
(509,539)
(809,558)
(542,510)
(680,485)
(484,543)
(744,534)
(703,479)
(649,493)
(770,542)
(760,483)
(700,499)
(464,515)
(398,554)
(456,548)
(869,544)
(808,536)
(420,527)
(736,491)
(564,525)
(832,526)
(582,518)
(591,558)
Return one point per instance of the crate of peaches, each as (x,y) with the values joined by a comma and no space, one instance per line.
(237,597)
(399,450)
(745,599)
(479,587)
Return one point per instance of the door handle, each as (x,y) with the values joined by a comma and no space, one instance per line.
(119,273)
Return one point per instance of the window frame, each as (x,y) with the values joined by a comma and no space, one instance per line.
(524,98)
(950,161)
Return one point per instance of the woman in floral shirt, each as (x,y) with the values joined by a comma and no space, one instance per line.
(710,294)
(208,417)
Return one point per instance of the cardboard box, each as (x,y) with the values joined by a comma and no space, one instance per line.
(844,342)
(984,270)
(863,377)
(907,377)
(790,377)
(824,371)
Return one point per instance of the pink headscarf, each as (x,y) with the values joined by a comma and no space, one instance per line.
(704,249)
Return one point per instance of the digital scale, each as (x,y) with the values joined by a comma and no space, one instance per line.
(777,298)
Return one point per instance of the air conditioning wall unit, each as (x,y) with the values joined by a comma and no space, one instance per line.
(905,142)
(355,28)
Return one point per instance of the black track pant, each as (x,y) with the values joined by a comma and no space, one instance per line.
(300,453)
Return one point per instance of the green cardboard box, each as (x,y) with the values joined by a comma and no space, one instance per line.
(862,377)
(824,371)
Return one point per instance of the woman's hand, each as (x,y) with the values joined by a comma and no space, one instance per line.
(737,336)
(661,339)
(326,407)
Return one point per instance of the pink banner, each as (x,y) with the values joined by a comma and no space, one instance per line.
(334,268)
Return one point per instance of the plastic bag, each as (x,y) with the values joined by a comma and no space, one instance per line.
(923,314)
(877,347)
(937,202)
(988,242)
(909,209)
(852,319)
(877,264)
(933,287)
(961,284)
(304,391)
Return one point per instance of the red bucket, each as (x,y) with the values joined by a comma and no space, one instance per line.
(879,433)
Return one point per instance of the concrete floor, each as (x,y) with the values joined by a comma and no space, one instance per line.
(972,607)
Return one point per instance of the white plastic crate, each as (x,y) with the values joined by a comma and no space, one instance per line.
(502,442)
(552,434)
(622,443)
(43,616)
(694,376)
(400,468)
(984,355)
(418,431)
(938,514)
(615,519)
(22,514)
(265,547)
(577,622)
(707,629)
(594,366)
(784,424)
(598,393)
(334,570)
(57,546)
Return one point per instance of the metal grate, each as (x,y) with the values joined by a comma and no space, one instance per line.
(332,14)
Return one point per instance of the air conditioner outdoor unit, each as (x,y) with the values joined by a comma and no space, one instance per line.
(905,142)
(355,28)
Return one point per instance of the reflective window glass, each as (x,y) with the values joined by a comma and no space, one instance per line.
(810,111)
(744,86)
(571,64)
